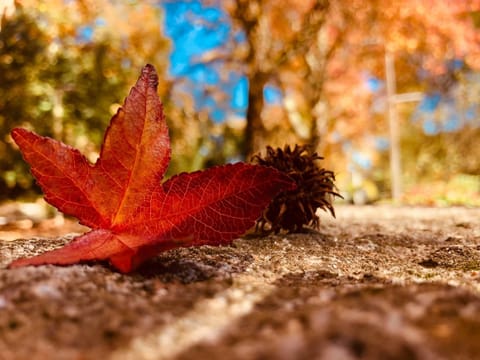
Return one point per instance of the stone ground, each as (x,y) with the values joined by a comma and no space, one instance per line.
(377,283)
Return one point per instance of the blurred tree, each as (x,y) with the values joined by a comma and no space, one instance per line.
(422,35)
(22,45)
(66,67)
(279,37)
(321,52)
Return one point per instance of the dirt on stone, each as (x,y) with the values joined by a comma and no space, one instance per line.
(376,283)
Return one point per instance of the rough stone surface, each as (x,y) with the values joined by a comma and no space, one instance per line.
(377,283)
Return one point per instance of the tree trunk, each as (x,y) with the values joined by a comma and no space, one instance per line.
(255,131)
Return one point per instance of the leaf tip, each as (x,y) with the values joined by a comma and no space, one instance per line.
(150,75)
(16,132)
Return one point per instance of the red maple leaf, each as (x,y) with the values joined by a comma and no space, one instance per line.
(133,215)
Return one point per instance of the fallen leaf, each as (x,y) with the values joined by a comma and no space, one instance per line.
(133,215)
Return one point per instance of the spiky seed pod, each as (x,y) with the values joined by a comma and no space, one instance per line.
(291,210)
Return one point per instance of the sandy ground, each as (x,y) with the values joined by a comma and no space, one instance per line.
(377,283)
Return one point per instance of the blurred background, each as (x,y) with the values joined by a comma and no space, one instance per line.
(387,92)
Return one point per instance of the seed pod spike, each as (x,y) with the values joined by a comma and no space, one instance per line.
(294,209)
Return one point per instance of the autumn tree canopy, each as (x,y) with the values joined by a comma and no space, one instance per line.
(64,66)
(319,51)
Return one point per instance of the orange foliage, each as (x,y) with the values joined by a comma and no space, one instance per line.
(320,53)
(362,31)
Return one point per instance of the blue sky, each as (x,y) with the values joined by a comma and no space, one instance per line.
(195,28)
